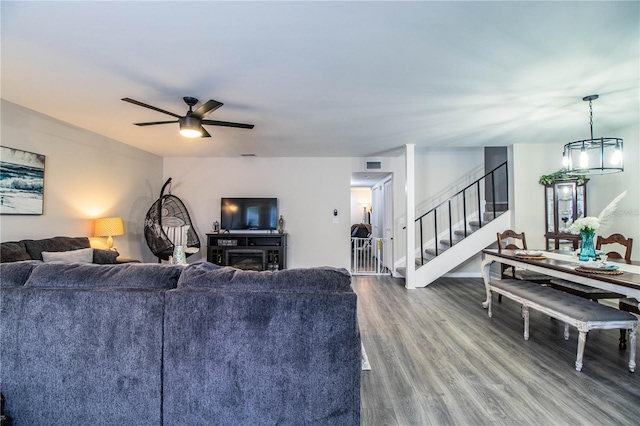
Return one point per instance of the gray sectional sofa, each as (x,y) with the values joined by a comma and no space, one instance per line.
(154,344)
(15,251)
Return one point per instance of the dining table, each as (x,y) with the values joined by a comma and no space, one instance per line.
(616,275)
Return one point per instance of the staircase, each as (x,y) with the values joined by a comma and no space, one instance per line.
(445,243)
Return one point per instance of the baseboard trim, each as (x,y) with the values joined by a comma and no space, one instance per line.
(463,275)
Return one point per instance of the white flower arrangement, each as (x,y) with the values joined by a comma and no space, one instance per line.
(590,224)
(587,224)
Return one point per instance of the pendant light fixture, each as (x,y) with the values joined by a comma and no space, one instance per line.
(593,156)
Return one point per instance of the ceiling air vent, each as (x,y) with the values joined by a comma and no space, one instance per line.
(373,165)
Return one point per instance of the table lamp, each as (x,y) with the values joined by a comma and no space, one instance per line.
(109,227)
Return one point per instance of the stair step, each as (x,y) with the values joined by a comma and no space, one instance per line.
(431,253)
(500,206)
(446,242)
(460,232)
(488,216)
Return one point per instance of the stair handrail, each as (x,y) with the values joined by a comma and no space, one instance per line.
(477,182)
(464,207)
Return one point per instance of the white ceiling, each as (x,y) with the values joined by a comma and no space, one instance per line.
(325,79)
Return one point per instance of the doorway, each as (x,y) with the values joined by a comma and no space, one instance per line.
(372,223)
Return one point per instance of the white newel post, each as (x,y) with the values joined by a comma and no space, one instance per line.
(410,196)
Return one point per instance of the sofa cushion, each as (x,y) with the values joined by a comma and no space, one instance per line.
(36,247)
(15,274)
(80,255)
(82,357)
(13,251)
(105,256)
(261,358)
(205,275)
(90,275)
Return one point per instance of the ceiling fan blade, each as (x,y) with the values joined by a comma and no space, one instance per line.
(205,134)
(152,123)
(133,101)
(227,124)
(207,108)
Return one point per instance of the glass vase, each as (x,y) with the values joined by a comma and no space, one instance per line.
(179,256)
(587,249)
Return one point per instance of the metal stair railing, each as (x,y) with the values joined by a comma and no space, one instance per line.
(428,222)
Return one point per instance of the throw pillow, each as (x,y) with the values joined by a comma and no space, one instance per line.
(81,256)
(178,235)
(13,251)
(104,256)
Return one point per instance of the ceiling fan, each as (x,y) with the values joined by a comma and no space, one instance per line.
(191,123)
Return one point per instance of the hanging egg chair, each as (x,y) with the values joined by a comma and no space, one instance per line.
(168,225)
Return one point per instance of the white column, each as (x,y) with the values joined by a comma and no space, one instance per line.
(410,196)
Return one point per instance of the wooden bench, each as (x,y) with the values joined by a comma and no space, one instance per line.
(579,312)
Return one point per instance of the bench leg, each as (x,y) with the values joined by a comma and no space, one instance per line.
(487,303)
(623,339)
(582,340)
(632,351)
(525,315)
(566,331)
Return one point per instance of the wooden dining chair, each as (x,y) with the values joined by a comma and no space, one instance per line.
(512,240)
(593,293)
(619,239)
(628,304)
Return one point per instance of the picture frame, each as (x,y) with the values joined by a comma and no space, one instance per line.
(21,182)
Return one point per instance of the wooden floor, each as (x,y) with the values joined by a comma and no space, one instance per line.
(437,359)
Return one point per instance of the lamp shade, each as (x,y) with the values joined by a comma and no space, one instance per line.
(109,227)
(190,127)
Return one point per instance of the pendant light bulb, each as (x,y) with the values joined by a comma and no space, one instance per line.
(584,159)
(616,158)
(565,159)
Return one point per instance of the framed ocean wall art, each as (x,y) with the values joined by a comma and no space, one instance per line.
(21,182)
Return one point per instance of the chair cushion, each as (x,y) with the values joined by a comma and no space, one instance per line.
(531,276)
(575,307)
(629,304)
(581,289)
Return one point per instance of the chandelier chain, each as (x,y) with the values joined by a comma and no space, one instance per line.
(591,118)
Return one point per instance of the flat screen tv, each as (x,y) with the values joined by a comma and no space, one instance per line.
(243,214)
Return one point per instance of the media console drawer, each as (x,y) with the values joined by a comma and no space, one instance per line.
(248,251)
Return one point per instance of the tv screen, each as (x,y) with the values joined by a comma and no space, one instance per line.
(242,214)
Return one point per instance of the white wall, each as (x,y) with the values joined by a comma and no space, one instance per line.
(86,176)
(308,190)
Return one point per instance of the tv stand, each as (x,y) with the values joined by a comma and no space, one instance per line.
(251,251)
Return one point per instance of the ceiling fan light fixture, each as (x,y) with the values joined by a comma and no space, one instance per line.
(190,127)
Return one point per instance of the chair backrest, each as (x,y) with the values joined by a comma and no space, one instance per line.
(503,238)
(616,239)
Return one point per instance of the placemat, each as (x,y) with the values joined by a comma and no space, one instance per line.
(530,257)
(597,271)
